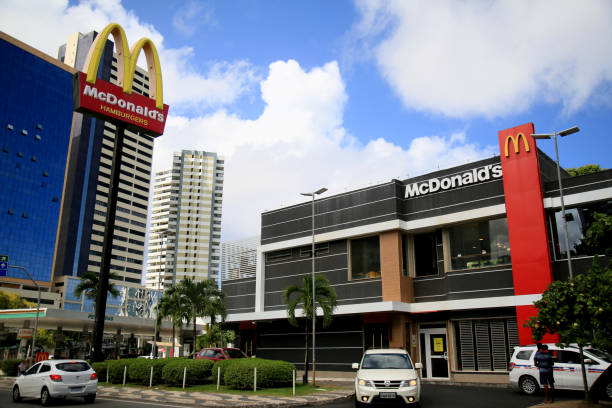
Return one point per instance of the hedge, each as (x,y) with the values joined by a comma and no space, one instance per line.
(100,369)
(270,373)
(198,371)
(115,370)
(9,367)
(223,364)
(139,370)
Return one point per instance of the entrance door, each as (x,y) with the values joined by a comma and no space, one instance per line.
(434,353)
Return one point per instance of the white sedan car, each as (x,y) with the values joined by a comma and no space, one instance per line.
(57,379)
(387,376)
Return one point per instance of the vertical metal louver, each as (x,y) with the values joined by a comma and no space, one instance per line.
(483,346)
(513,338)
(467,345)
(498,345)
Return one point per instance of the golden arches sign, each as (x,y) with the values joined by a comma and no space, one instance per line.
(126,62)
(515,143)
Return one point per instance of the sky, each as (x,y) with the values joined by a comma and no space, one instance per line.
(299,95)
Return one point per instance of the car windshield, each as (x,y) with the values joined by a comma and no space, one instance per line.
(232,353)
(73,367)
(600,354)
(386,361)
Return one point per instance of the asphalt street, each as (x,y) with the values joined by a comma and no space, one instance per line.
(444,396)
(433,396)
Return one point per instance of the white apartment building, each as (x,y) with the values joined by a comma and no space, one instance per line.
(185,232)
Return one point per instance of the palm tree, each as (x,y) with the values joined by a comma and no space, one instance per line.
(201,299)
(89,285)
(324,295)
(171,306)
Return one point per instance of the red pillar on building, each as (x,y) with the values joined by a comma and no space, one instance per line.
(531,266)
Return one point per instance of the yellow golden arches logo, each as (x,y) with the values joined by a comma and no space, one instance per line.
(126,62)
(515,143)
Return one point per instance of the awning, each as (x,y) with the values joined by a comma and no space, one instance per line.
(165,344)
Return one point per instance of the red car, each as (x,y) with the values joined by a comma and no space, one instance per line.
(216,354)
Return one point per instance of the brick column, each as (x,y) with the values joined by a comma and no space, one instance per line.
(395,286)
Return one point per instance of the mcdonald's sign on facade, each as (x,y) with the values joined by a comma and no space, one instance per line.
(515,143)
(118,102)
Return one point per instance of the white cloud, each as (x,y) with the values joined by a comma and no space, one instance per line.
(299,144)
(191,16)
(47,24)
(490,58)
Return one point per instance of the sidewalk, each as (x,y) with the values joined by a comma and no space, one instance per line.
(207,399)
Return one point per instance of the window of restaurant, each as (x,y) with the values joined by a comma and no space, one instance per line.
(485,344)
(365,257)
(579,219)
(479,244)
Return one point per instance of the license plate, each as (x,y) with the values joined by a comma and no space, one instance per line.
(387,395)
(76,389)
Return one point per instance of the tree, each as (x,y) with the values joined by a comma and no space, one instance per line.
(201,299)
(171,305)
(13,301)
(215,336)
(324,295)
(588,169)
(89,285)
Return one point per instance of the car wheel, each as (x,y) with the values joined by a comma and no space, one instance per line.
(16,394)
(90,399)
(529,385)
(45,397)
(607,391)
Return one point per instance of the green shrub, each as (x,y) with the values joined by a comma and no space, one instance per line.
(223,364)
(115,370)
(100,369)
(139,371)
(198,371)
(270,373)
(9,367)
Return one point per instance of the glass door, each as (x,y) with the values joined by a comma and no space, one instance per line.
(434,353)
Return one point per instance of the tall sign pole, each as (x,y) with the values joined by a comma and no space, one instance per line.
(117,103)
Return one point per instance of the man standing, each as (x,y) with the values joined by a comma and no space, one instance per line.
(544,361)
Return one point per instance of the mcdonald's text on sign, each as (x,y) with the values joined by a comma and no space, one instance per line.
(109,100)
(118,102)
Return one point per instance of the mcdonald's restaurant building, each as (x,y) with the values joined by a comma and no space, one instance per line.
(446,265)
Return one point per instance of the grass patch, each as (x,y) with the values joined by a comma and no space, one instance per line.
(300,389)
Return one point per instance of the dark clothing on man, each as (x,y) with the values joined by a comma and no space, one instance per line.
(544,361)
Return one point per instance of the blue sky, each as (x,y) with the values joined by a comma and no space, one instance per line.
(297,95)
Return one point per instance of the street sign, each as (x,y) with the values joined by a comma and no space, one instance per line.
(3,265)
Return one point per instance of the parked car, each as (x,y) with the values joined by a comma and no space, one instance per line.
(387,375)
(217,353)
(524,375)
(51,379)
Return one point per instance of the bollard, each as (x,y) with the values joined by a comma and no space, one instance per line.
(184,376)
(151,378)
(294,383)
(255,379)
(107,370)
(218,377)
(124,374)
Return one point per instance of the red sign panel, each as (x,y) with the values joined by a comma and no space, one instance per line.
(531,267)
(109,102)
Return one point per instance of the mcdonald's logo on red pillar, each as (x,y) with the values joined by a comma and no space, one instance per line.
(531,267)
(117,102)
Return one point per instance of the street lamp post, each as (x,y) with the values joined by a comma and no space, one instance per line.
(37,310)
(554,135)
(314,304)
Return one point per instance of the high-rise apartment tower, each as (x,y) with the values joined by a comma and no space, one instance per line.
(185,233)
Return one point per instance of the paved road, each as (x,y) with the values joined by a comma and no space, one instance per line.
(433,396)
(444,396)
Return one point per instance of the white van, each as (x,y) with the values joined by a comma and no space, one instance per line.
(524,375)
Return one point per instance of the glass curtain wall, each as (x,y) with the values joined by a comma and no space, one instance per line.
(479,244)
